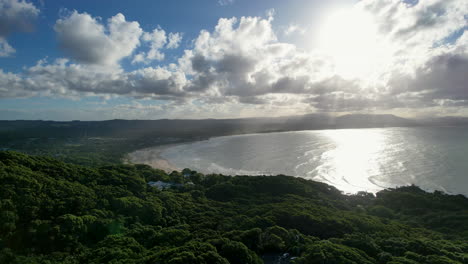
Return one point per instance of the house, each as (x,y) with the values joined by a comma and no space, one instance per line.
(164,185)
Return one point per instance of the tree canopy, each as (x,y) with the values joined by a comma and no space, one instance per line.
(55,212)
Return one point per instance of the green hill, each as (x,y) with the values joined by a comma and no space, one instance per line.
(54,212)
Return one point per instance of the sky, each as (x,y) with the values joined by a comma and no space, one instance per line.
(149,59)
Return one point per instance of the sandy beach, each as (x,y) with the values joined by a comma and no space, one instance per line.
(152,157)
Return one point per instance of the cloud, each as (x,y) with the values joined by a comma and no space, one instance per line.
(244,58)
(440,79)
(5,48)
(241,64)
(225,2)
(63,78)
(157,41)
(15,16)
(87,40)
(174,40)
(293,29)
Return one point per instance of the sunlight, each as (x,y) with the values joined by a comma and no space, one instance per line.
(354,160)
(350,38)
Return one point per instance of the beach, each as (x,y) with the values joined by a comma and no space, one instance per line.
(152,157)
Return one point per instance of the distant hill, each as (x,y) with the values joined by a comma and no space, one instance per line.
(373,121)
(446,121)
(194,128)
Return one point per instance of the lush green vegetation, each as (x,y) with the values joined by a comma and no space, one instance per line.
(54,212)
(92,151)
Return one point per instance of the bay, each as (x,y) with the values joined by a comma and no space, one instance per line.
(434,158)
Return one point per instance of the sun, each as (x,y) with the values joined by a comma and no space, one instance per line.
(349,37)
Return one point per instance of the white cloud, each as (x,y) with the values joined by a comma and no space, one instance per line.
(15,16)
(243,58)
(294,29)
(174,40)
(5,48)
(225,2)
(139,58)
(87,40)
(413,32)
(241,64)
(157,41)
(70,80)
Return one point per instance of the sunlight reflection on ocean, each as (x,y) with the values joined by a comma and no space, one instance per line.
(350,159)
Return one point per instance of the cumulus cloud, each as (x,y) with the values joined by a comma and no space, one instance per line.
(87,40)
(243,58)
(157,40)
(66,79)
(241,63)
(174,40)
(240,59)
(15,16)
(440,79)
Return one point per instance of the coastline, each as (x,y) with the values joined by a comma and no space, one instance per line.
(152,156)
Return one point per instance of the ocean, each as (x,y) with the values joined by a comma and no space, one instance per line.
(352,160)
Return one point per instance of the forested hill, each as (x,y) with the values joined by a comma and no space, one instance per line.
(53,212)
(189,128)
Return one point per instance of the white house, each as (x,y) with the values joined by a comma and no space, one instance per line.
(163,185)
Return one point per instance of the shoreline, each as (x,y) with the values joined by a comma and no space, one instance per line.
(152,156)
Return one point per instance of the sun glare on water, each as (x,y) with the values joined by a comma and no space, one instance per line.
(356,157)
(350,38)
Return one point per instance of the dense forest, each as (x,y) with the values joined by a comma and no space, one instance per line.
(55,212)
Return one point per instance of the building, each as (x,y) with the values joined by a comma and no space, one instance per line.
(164,185)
